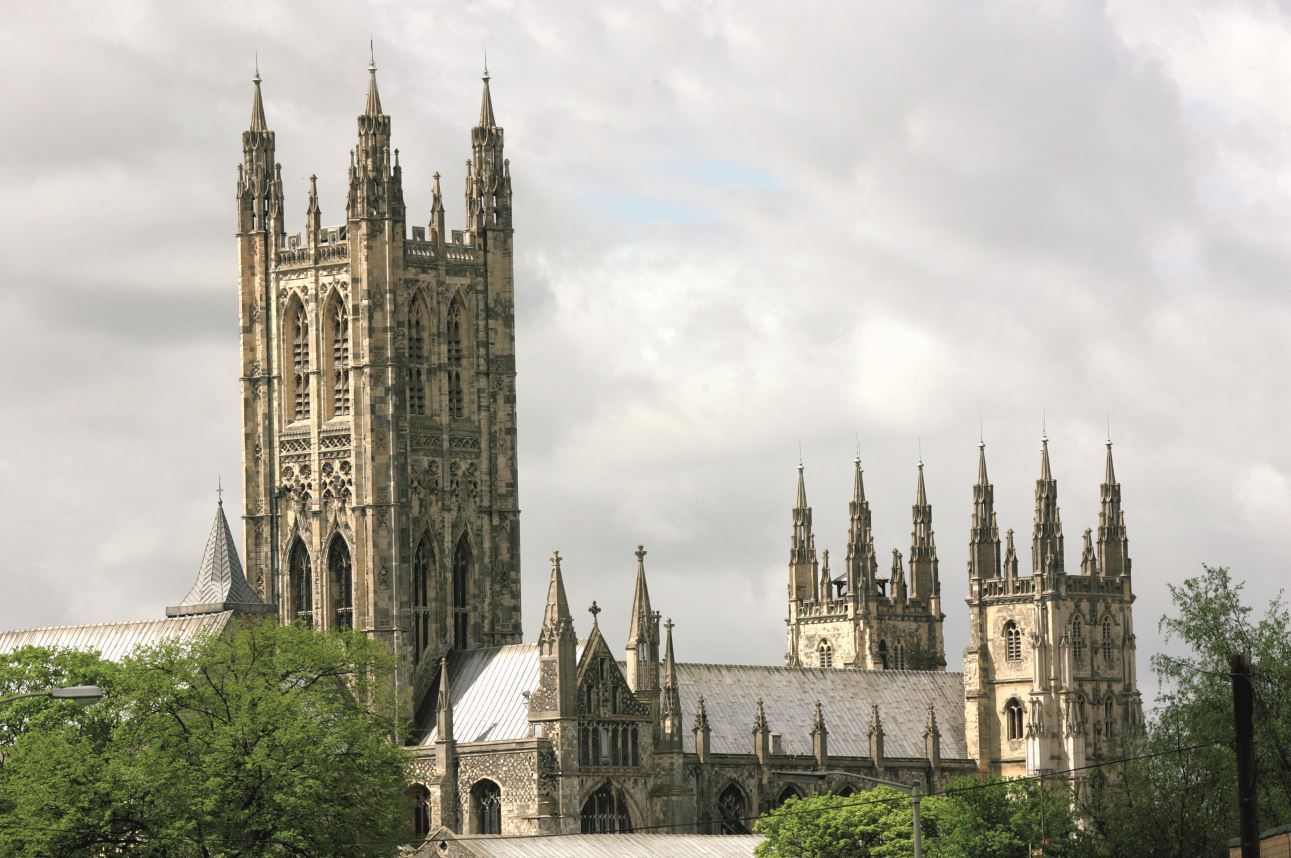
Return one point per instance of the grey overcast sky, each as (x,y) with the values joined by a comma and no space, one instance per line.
(739,226)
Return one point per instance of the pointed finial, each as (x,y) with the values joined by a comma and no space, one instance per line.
(858,448)
(918,443)
(1044,425)
(256,79)
(800,454)
(668,624)
(219,490)
(372,56)
(641,554)
(981,430)
(486,64)
(594,610)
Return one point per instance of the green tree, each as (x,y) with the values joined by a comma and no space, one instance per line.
(267,742)
(872,824)
(1001,818)
(1181,801)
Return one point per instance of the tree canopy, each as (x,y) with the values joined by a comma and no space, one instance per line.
(270,741)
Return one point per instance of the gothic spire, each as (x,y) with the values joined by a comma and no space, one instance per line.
(220,584)
(1113,542)
(259,190)
(313,216)
(984,535)
(444,705)
(488,199)
(1046,540)
(923,546)
(826,581)
(556,617)
(437,211)
(376,186)
(1010,556)
(670,704)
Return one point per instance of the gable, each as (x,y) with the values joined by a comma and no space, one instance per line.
(603,689)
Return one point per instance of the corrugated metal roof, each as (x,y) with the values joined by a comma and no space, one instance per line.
(607,846)
(114,641)
(488,688)
(789,695)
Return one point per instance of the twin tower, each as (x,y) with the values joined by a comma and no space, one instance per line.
(1049,671)
(379,406)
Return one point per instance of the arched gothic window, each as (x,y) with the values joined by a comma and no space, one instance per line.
(340,330)
(421,589)
(298,332)
(1107,640)
(417,328)
(486,807)
(1012,641)
(826,654)
(1077,639)
(1109,710)
(342,571)
(883,655)
(605,812)
(456,407)
(461,578)
(301,584)
(790,791)
(732,811)
(898,656)
(1013,719)
(419,808)
(845,792)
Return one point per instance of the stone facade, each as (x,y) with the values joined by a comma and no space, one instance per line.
(378,382)
(1050,679)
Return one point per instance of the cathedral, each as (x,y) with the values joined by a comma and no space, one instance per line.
(378,381)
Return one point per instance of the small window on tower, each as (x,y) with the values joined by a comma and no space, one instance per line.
(825,653)
(1012,641)
(1077,639)
(1107,640)
(1013,719)
(456,398)
(340,359)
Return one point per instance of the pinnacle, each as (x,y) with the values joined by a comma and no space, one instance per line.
(641,614)
(858,483)
(981,464)
(373,106)
(802,489)
(1045,473)
(1109,478)
(257,106)
(920,492)
(557,612)
(487,119)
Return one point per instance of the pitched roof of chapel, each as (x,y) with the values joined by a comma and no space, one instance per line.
(490,687)
(594,845)
(115,641)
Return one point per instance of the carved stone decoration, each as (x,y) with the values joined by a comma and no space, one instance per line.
(464,480)
(383,577)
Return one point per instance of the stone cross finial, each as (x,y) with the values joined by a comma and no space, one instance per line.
(555,559)
(219,490)
(669,624)
(641,553)
(594,610)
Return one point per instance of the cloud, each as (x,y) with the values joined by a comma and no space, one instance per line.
(737,228)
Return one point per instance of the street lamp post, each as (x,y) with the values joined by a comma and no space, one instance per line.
(84,695)
(915,793)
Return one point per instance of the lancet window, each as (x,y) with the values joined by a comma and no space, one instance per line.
(456,407)
(461,576)
(417,328)
(419,801)
(298,331)
(825,654)
(342,571)
(486,807)
(340,322)
(301,582)
(1077,639)
(732,811)
(1107,640)
(421,590)
(883,655)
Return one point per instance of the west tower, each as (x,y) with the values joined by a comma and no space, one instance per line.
(379,409)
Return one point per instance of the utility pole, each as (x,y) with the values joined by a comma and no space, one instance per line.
(1248,811)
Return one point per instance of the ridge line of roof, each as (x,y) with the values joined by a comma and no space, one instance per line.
(117,623)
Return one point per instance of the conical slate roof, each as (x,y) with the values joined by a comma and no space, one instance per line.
(220,584)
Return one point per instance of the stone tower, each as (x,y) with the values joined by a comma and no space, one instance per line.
(1049,671)
(860,619)
(379,409)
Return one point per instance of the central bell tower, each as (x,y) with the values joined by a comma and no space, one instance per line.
(379,406)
